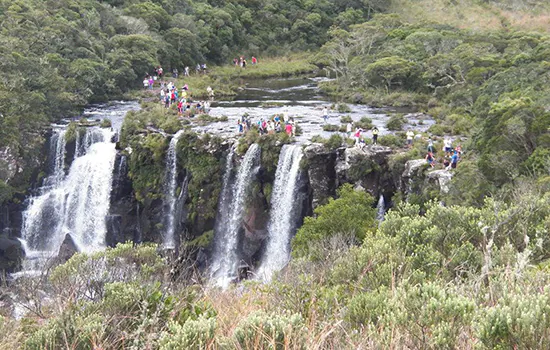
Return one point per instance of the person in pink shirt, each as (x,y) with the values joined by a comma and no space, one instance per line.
(288,129)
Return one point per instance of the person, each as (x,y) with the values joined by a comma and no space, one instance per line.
(375,135)
(167,100)
(210,91)
(180,108)
(446,163)
(203,67)
(285,116)
(288,129)
(244,63)
(185,87)
(186,71)
(325,114)
(448,146)
(235,61)
(151,82)
(175,73)
(198,68)
(294,127)
(430,159)
(410,135)
(454,160)
(161,95)
(357,136)
(160,72)
(349,128)
(431,146)
(270,128)
(254,60)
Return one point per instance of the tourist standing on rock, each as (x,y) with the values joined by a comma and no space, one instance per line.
(357,136)
(288,129)
(325,114)
(454,160)
(448,146)
(410,135)
(430,159)
(349,128)
(375,135)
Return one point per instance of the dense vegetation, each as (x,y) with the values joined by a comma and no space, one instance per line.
(463,269)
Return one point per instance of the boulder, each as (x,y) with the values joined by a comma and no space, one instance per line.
(412,178)
(321,173)
(442,178)
(67,250)
(11,254)
(365,167)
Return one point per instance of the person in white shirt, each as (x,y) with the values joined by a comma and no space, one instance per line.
(410,135)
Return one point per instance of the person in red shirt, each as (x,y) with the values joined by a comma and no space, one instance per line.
(254,60)
(288,129)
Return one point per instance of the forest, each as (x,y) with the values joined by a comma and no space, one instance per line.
(464,269)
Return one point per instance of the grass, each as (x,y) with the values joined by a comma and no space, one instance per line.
(477,15)
(226,80)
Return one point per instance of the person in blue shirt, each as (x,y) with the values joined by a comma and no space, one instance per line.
(454,160)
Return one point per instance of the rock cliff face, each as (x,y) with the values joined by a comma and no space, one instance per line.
(322,171)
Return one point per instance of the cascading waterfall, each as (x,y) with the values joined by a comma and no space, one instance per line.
(77,204)
(380,209)
(170,185)
(283,214)
(229,220)
(57,160)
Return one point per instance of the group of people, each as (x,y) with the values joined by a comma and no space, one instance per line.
(170,95)
(451,154)
(273,125)
(241,61)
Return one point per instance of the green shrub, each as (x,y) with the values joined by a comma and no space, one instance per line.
(365,123)
(346,119)
(396,122)
(367,308)
(193,334)
(106,123)
(330,127)
(343,108)
(271,331)
(351,214)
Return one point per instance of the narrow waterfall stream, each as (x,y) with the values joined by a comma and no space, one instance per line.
(226,258)
(282,221)
(170,186)
(380,209)
(75,204)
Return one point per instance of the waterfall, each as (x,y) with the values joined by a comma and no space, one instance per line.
(170,186)
(57,160)
(283,214)
(380,209)
(229,221)
(75,204)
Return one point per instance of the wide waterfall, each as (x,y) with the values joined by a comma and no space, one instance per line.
(229,221)
(75,204)
(170,186)
(283,216)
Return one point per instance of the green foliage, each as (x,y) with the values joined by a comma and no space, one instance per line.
(346,119)
(365,123)
(343,108)
(351,213)
(106,123)
(193,334)
(396,122)
(262,330)
(331,127)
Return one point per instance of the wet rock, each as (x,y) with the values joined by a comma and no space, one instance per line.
(11,254)
(321,173)
(67,250)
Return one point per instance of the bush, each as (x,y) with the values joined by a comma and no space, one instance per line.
(193,334)
(351,214)
(365,123)
(343,108)
(330,127)
(346,119)
(396,122)
(106,123)
(271,331)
